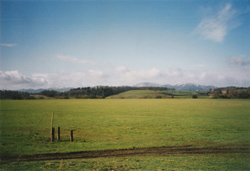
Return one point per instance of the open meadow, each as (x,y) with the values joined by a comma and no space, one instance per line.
(146,134)
(152,94)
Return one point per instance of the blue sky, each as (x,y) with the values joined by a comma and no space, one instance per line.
(50,43)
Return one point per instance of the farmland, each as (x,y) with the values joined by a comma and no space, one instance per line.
(217,129)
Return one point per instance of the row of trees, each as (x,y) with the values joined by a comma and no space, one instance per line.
(231,93)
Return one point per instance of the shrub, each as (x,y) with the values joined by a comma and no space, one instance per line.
(194,96)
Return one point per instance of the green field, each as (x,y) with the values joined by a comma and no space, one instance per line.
(152,94)
(137,94)
(127,124)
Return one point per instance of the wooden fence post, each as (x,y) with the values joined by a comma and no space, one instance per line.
(58,134)
(71,136)
(52,119)
(52,134)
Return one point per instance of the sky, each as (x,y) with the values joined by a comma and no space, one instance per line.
(80,43)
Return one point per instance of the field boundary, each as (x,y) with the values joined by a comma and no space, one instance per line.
(163,150)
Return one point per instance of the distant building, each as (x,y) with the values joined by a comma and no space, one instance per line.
(224,91)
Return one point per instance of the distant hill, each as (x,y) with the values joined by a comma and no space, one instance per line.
(34,91)
(179,87)
(191,87)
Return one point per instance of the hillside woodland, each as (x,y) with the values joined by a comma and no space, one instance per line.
(78,93)
(106,91)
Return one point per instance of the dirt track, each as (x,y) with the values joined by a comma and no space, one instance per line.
(165,150)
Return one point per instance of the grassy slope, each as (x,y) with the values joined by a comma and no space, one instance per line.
(135,94)
(141,94)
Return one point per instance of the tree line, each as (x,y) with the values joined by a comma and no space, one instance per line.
(8,94)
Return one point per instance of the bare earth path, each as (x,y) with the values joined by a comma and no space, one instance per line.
(164,150)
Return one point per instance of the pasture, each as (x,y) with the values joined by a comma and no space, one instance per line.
(133,124)
(152,94)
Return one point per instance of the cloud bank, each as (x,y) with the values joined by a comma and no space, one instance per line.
(118,76)
(12,80)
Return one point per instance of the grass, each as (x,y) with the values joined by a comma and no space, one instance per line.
(152,94)
(125,123)
(180,94)
(174,162)
(138,94)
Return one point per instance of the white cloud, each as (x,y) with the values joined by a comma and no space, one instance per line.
(16,80)
(8,44)
(74,60)
(235,76)
(216,27)
(13,80)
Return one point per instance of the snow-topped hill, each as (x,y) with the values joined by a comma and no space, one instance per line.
(179,87)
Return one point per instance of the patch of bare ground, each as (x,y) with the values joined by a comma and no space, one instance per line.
(164,150)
